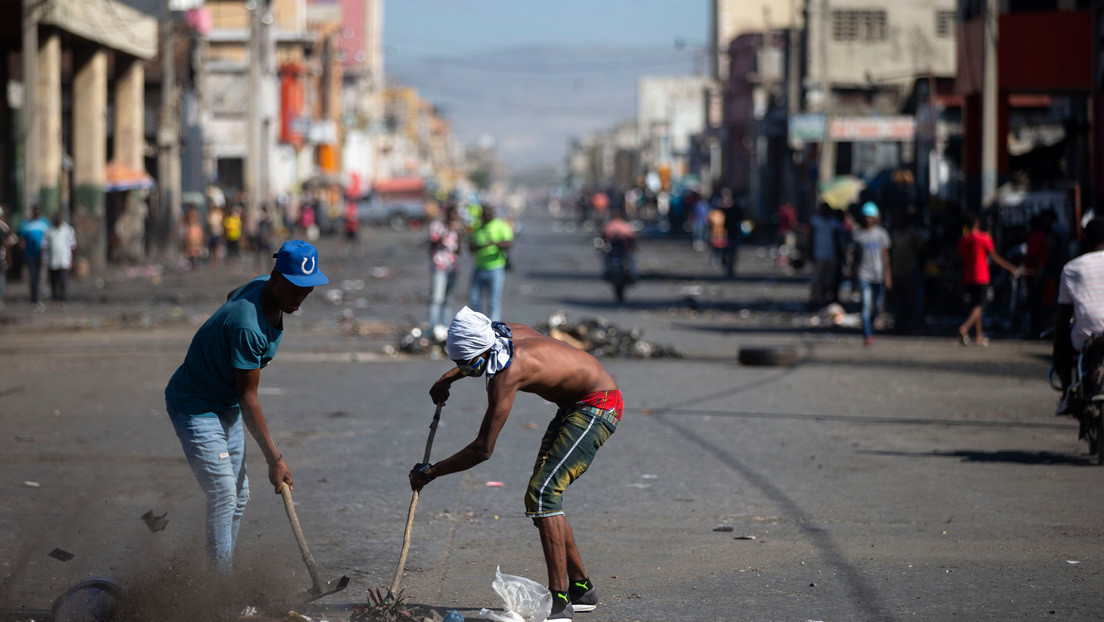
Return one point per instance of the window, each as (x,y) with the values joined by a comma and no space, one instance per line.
(944,23)
(858,25)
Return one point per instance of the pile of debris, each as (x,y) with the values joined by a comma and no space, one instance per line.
(602,338)
(597,335)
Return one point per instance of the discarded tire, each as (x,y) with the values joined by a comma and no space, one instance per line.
(774,355)
(91,600)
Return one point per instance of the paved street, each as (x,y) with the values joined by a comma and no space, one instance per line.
(914,480)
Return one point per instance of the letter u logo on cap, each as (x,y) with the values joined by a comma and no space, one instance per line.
(313,262)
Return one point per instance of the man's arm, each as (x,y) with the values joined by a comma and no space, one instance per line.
(439,392)
(500,395)
(1001,261)
(247,381)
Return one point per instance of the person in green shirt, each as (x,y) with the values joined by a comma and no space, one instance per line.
(489,243)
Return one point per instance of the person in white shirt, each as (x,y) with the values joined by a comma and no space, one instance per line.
(1080,314)
(58,245)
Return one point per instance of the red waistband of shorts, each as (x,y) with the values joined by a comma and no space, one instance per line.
(605,400)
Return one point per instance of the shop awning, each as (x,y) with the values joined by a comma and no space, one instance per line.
(121,177)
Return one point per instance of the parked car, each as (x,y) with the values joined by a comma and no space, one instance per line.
(398,202)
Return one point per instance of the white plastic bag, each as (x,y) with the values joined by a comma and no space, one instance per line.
(525,600)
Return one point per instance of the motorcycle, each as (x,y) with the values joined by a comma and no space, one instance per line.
(1085,396)
(618,265)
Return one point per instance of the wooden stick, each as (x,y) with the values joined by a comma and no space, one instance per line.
(413,505)
(308,559)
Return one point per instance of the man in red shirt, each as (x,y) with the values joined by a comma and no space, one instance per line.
(975,249)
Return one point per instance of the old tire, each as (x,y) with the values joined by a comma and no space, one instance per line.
(770,355)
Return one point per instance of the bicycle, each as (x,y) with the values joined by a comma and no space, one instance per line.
(1085,395)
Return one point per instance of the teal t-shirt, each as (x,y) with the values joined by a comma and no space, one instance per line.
(237,336)
(491,257)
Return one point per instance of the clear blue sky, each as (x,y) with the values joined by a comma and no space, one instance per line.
(533,73)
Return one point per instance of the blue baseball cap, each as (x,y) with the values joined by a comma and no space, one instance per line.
(870,209)
(298,262)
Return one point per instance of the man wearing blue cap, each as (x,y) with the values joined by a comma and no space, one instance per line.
(215,390)
(872,268)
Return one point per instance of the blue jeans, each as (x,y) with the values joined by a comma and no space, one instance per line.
(440,291)
(34,270)
(215,449)
(489,284)
(873,294)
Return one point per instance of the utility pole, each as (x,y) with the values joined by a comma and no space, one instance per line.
(827,163)
(168,145)
(256,154)
(31,142)
(989,108)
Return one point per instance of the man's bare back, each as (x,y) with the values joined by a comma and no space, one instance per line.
(553,369)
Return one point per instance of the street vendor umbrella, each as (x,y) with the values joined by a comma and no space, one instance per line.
(119,177)
(840,192)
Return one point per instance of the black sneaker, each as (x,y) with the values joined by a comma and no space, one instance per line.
(561,607)
(583,595)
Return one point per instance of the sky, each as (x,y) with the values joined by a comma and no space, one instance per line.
(532,74)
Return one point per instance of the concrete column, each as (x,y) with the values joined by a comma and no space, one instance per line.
(49,123)
(129,110)
(28,131)
(89,149)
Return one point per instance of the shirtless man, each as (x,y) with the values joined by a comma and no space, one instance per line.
(515,358)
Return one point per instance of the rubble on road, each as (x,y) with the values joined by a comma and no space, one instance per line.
(597,335)
(603,338)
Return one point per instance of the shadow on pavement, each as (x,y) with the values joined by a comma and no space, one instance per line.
(1009,456)
(860,419)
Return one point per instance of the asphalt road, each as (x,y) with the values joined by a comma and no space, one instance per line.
(917,480)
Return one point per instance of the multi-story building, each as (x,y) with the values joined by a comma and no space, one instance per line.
(87,57)
(862,59)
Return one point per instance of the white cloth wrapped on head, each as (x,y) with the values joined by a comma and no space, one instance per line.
(471,333)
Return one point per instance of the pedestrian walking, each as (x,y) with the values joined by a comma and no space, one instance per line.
(232,233)
(829,242)
(215,219)
(262,240)
(975,249)
(733,225)
(489,244)
(30,241)
(514,358)
(872,272)
(7,242)
(58,246)
(351,229)
(193,237)
(215,390)
(444,263)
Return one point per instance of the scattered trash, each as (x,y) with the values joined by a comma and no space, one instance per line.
(640,486)
(30,484)
(723,528)
(453,616)
(155,523)
(24,439)
(529,425)
(251,610)
(61,555)
(525,600)
(744,538)
(383,606)
(602,338)
(417,342)
(834,315)
(649,476)
(1070,561)
(494,484)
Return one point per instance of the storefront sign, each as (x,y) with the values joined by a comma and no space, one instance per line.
(859,129)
